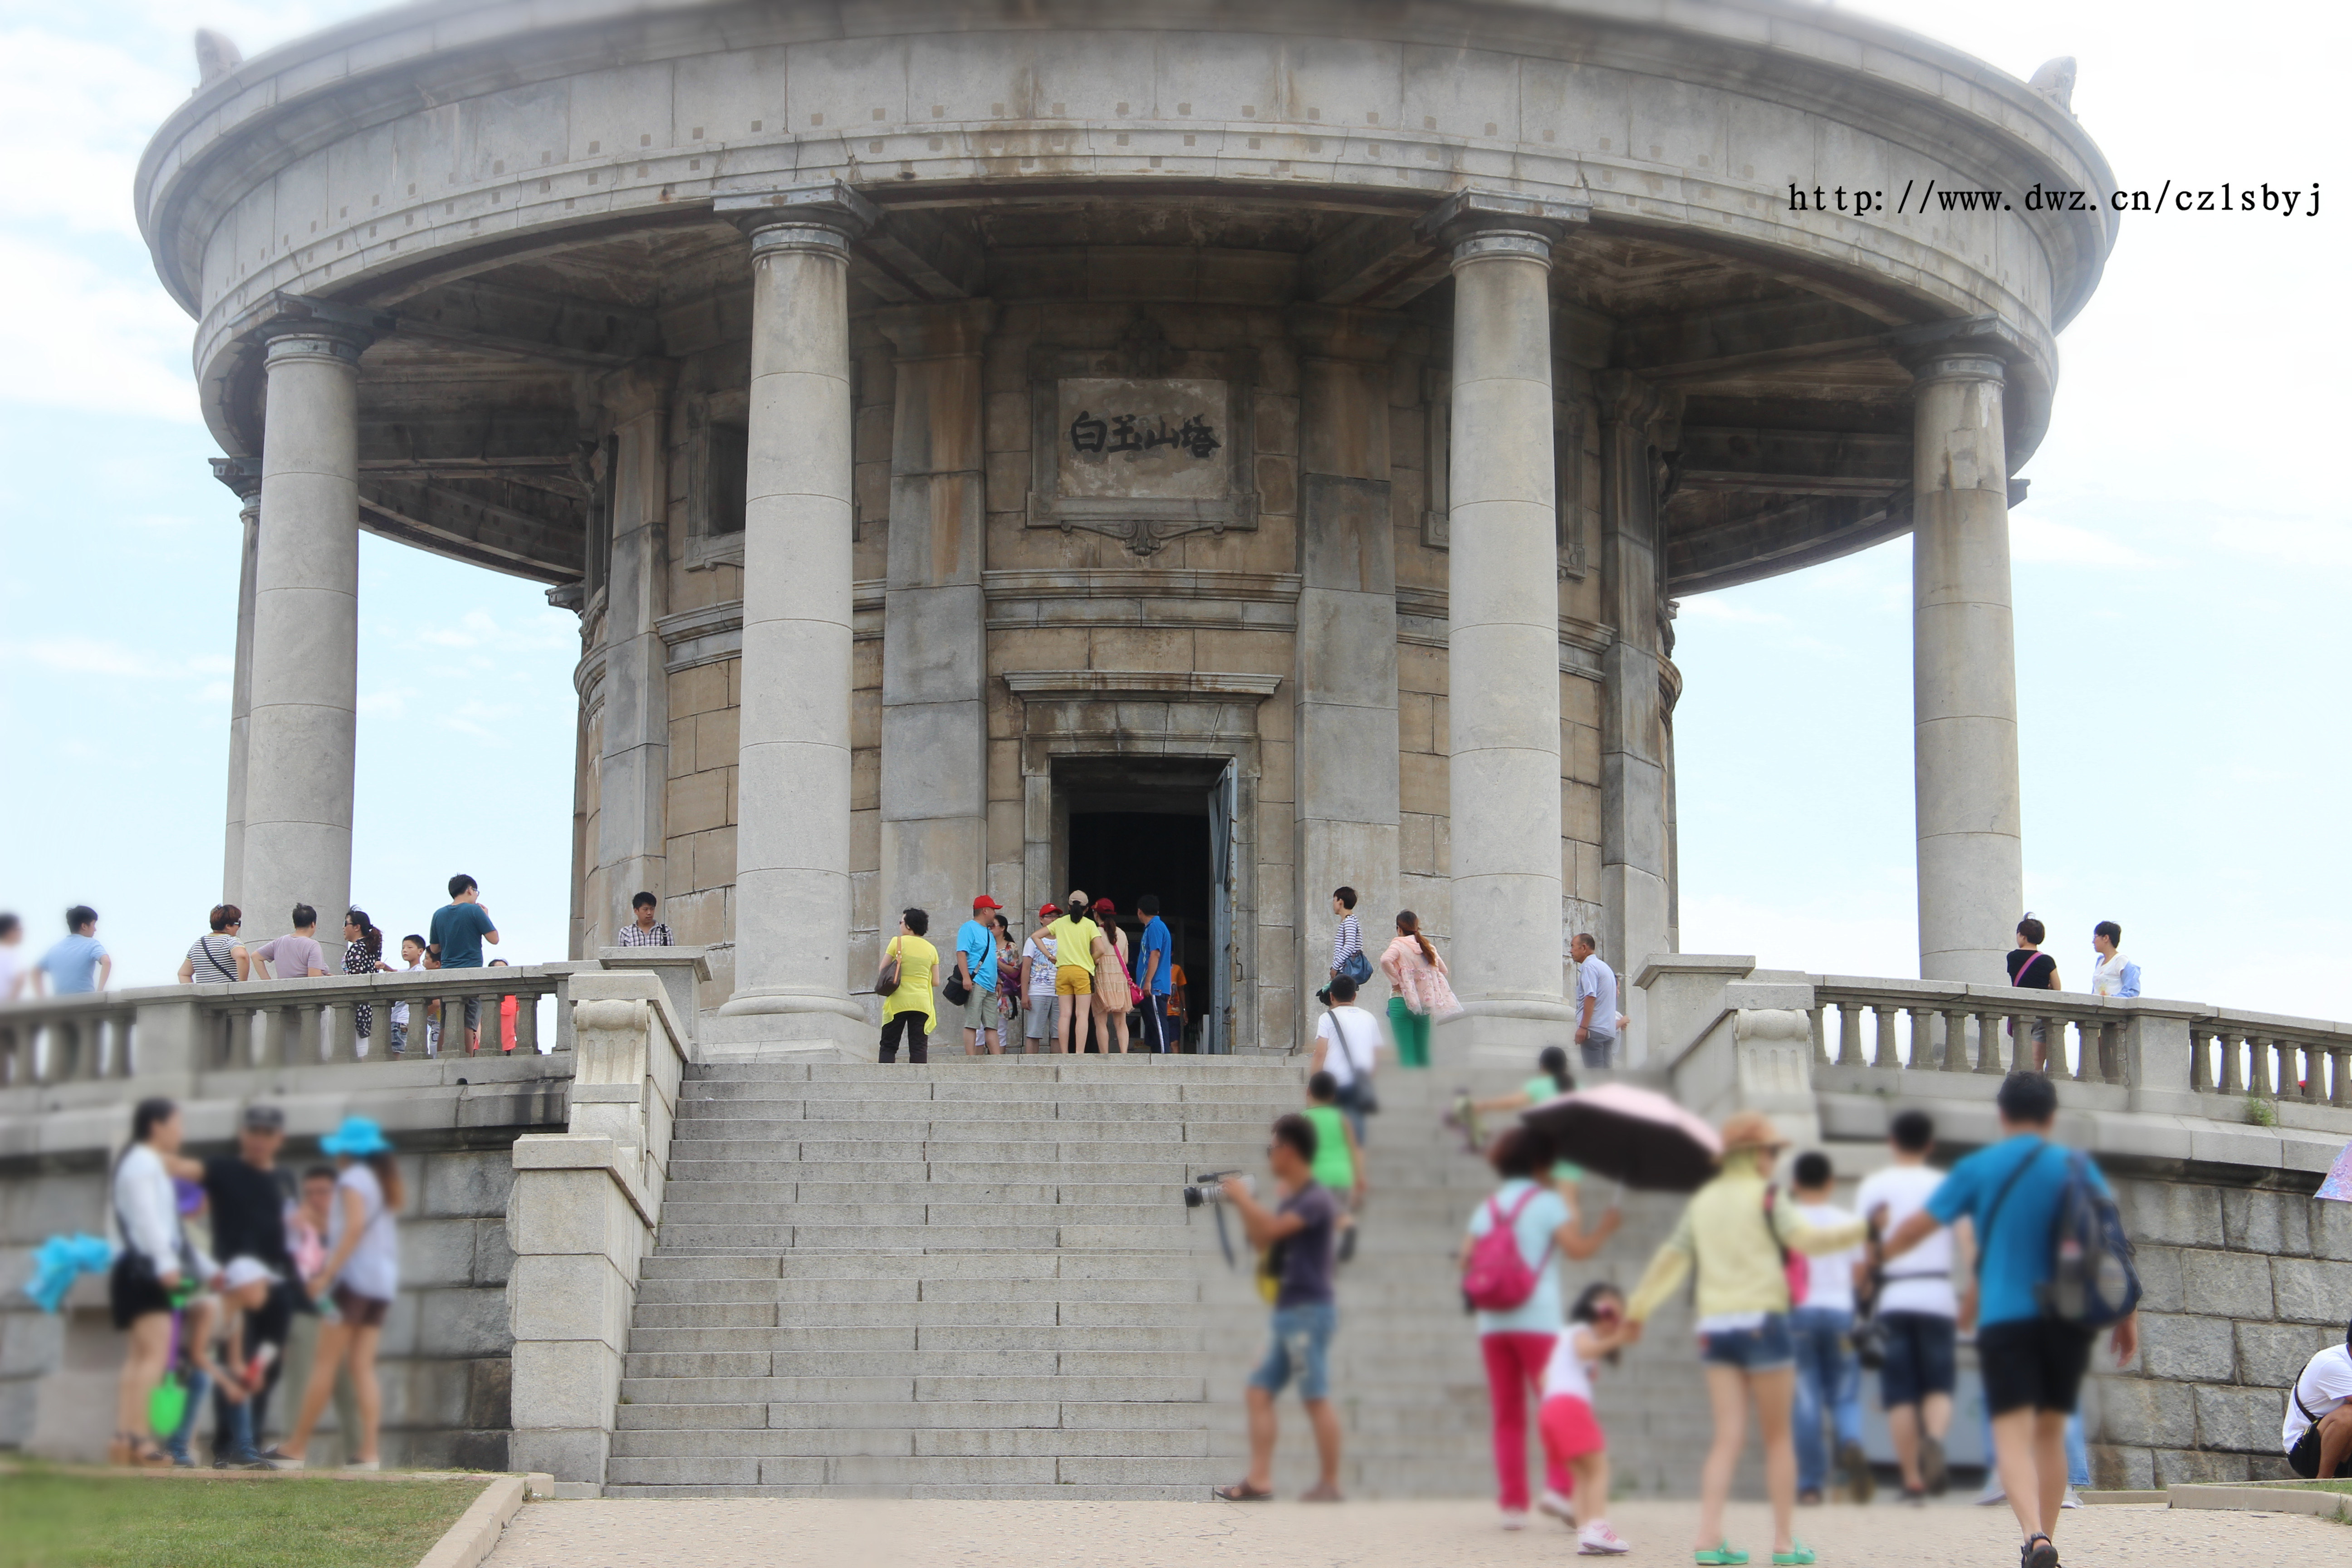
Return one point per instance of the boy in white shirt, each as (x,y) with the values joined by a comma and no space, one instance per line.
(411,954)
(1347,1045)
(1829,1373)
(1917,1307)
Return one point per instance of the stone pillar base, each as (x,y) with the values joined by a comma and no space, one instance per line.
(782,1028)
(1508,1034)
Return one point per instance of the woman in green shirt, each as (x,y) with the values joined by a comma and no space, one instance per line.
(1339,1158)
(1551,1079)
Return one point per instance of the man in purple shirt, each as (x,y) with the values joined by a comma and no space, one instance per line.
(295,956)
(1306,1311)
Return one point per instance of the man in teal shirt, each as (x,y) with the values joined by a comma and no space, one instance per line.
(459,928)
(1155,967)
(2033,1364)
(976,967)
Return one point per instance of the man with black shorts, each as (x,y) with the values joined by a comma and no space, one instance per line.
(248,1196)
(2033,1364)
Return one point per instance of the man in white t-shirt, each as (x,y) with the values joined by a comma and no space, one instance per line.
(1917,1307)
(12,956)
(1347,1045)
(1037,984)
(2317,1438)
(1829,1374)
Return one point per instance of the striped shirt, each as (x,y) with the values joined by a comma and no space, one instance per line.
(1349,938)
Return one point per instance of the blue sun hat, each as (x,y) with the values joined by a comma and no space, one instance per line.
(357,1137)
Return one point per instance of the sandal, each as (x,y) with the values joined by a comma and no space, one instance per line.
(1721,1555)
(1242,1491)
(2041,1555)
(1798,1555)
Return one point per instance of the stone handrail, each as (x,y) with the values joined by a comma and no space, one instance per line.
(174,1029)
(582,1216)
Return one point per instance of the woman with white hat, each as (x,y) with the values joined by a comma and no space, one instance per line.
(361,1276)
(1740,1240)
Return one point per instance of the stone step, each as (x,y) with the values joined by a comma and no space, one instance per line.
(918,1205)
(851,1360)
(1120,1090)
(1073,1415)
(805,1298)
(1023,1493)
(976,1441)
(1070,1146)
(931,1386)
(1021,1125)
(912,1189)
(1014,1236)
(1168,1171)
(1046,1308)
(921,1338)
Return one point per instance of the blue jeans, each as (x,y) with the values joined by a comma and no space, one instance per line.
(2078,1453)
(176,1443)
(1300,1348)
(1828,1377)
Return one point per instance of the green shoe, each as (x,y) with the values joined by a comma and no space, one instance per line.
(1723,1555)
(1798,1555)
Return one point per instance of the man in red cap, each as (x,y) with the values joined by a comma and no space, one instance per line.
(1037,984)
(975,971)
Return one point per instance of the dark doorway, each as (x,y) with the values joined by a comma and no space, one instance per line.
(1144,826)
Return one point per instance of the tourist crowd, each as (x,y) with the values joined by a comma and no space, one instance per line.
(235,1279)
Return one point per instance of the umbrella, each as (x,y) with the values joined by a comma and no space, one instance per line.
(1633,1135)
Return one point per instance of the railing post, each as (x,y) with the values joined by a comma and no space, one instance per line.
(1820,1044)
(1989,1041)
(2258,1068)
(1956,1040)
(1849,1035)
(2339,1092)
(2314,1070)
(2200,1068)
(1885,1052)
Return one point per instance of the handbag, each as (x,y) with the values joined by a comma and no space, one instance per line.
(1357,967)
(1796,1270)
(1356,1094)
(887,980)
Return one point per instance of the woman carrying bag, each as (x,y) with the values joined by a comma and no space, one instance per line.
(1419,993)
(908,967)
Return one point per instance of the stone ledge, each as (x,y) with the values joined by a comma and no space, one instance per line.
(2286,1497)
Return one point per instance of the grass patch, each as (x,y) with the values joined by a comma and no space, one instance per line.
(57,1519)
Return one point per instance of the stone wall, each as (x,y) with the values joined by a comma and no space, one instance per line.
(443,1364)
(2242,1283)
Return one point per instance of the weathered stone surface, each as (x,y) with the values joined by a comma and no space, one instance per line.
(2245,1420)
(2330,1228)
(2159,1279)
(2197,1349)
(2272,1356)
(2174,1212)
(2174,1467)
(2116,1469)
(2230,1284)
(2146,1412)
(2312,1291)
(2265,1222)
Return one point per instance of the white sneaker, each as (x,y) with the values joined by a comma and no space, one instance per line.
(2072,1500)
(1559,1507)
(1993,1495)
(1515,1519)
(1597,1540)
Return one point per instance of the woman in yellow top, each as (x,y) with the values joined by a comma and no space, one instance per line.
(1737,1235)
(1077,941)
(909,1010)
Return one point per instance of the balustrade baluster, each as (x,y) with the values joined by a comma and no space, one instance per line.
(1849,1035)
(2112,1066)
(1988,1042)
(2339,1092)
(339,1032)
(2314,1071)
(1955,1041)
(2234,1077)
(1887,1051)
(2200,1068)
(527,1022)
(1820,1044)
(2258,1068)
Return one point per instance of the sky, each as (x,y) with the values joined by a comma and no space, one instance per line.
(2179,642)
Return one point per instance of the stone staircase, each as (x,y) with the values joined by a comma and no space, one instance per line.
(976,1279)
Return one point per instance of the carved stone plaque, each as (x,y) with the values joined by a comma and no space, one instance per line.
(1143,446)
(1136,439)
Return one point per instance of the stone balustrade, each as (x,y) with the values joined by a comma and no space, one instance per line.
(169,1029)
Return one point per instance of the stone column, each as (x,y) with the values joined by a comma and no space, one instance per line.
(1963,664)
(301,730)
(633,846)
(1503,641)
(792,878)
(934,645)
(1344,747)
(1634,895)
(242,475)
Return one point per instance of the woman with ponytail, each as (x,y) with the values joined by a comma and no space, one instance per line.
(362,954)
(1418,990)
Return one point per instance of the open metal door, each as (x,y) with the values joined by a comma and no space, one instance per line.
(1217,1006)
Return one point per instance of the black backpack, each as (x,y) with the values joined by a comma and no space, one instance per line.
(2093,1281)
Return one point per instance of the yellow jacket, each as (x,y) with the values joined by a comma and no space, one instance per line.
(919,965)
(1723,1232)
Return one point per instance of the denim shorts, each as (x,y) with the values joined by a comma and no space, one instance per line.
(1301,1347)
(1920,1360)
(1764,1348)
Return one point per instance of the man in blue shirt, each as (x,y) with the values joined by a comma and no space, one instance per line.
(2033,1364)
(458,930)
(1155,965)
(77,964)
(976,967)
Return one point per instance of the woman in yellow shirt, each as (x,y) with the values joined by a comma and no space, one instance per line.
(1075,937)
(909,1010)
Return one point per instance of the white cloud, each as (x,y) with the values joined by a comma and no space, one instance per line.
(81,338)
(2045,542)
(97,657)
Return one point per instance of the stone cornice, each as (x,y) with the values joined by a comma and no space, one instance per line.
(1178,683)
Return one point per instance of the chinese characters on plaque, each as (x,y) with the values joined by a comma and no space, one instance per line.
(1160,439)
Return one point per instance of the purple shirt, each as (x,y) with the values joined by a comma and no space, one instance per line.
(291,957)
(1306,1253)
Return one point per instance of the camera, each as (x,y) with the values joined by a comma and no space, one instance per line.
(1324,997)
(1207,1188)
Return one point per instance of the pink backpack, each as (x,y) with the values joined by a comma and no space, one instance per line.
(1498,1280)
